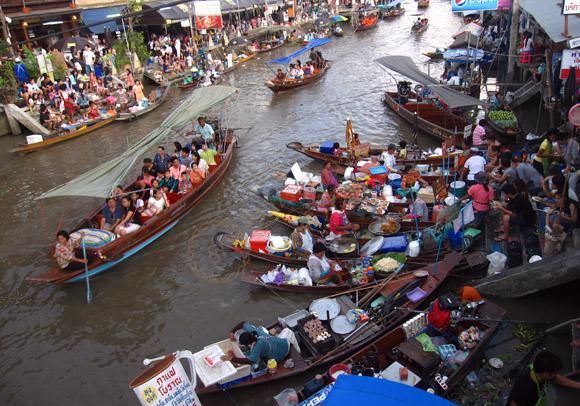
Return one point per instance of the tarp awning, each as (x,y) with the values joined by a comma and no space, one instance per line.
(312,44)
(93,15)
(548,15)
(406,67)
(364,390)
(99,181)
(163,15)
(463,54)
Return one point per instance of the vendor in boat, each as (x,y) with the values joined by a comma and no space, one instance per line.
(132,219)
(474,164)
(545,154)
(327,176)
(410,177)
(402,154)
(47,120)
(338,222)
(64,252)
(111,215)
(321,269)
(482,195)
(327,199)
(263,346)
(301,238)
(205,131)
(529,387)
(389,159)
(417,207)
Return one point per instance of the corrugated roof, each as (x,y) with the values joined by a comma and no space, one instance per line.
(548,15)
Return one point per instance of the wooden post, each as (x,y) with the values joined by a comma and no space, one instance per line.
(513,40)
(6,33)
(549,76)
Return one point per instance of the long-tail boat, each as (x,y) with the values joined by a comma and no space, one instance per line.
(397,349)
(383,319)
(438,119)
(367,22)
(94,184)
(390,8)
(67,133)
(156,101)
(240,61)
(277,85)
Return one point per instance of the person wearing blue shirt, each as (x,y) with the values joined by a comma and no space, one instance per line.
(161,160)
(112,214)
(205,131)
(263,346)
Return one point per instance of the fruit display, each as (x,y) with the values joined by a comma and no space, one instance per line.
(504,118)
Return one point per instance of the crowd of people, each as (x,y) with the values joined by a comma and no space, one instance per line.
(163,181)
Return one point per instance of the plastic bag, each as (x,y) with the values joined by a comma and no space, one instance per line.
(288,397)
(304,277)
(497,262)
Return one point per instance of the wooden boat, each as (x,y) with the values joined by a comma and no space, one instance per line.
(124,247)
(337,33)
(190,85)
(434,55)
(396,350)
(239,62)
(419,28)
(289,84)
(423,3)
(160,98)
(264,50)
(430,118)
(167,80)
(86,127)
(368,22)
(309,358)
(501,129)
(393,12)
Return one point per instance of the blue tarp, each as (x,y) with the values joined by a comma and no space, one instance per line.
(312,44)
(460,55)
(364,391)
(93,15)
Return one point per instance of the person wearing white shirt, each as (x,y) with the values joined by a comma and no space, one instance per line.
(474,164)
(388,158)
(89,58)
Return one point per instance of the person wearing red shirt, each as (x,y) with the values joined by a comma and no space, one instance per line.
(338,223)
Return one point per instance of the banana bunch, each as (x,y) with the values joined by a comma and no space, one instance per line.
(239,244)
(501,115)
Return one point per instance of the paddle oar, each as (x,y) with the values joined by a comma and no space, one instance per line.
(89,293)
(378,288)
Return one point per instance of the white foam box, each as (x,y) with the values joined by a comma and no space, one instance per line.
(34,139)
(241,371)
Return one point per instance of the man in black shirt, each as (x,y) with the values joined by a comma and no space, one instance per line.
(517,211)
(528,389)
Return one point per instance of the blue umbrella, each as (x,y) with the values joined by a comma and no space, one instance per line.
(365,391)
(338,19)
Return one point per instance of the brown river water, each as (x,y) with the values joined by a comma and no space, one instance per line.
(181,292)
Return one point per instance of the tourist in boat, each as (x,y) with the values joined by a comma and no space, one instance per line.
(161,160)
(208,155)
(185,157)
(168,183)
(111,215)
(545,154)
(129,79)
(64,252)
(479,138)
(176,168)
(518,211)
(200,162)
(327,199)
(185,185)
(338,222)
(308,69)
(205,131)
(388,158)
(327,176)
(156,203)
(197,174)
(263,346)
(474,164)
(529,387)
(301,238)
(402,154)
(132,219)
(122,98)
(481,195)
(137,200)
(280,75)
(321,269)
(93,111)
(46,119)
(149,170)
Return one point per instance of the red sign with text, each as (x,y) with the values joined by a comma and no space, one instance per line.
(208,22)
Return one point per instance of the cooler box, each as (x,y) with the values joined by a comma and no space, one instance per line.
(225,372)
(326,147)
(378,170)
(291,193)
(33,139)
(397,243)
(259,240)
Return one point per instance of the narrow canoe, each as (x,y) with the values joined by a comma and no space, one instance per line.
(431,119)
(394,288)
(264,50)
(239,62)
(152,106)
(419,29)
(189,85)
(293,84)
(128,245)
(89,127)
(383,352)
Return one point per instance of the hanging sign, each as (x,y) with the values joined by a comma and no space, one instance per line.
(570,59)
(473,5)
(208,15)
(571,7)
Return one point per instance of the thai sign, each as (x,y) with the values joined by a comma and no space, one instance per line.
(570,59)
(473,5)
(571,7)
(208,15)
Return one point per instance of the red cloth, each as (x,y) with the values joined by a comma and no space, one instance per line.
(438,317)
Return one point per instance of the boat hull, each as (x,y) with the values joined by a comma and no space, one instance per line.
(279,87)
(132,116)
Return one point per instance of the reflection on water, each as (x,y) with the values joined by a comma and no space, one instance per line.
(180,293)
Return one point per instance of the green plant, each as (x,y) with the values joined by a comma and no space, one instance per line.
(4,49)
(138,47)
(58,68)
(7,82)
(29,60)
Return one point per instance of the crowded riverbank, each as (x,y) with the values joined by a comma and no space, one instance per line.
(183,293)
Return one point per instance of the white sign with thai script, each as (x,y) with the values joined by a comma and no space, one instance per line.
(574,43)
(207,8)
(571,7)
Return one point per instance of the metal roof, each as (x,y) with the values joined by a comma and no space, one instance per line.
(548,15)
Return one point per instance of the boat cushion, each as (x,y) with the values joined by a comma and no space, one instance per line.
(94,237)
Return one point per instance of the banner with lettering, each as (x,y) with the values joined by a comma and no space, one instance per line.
(208,15)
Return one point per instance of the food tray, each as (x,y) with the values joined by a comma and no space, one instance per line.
(341,325)
(375,227)
(321,306)
(292,319)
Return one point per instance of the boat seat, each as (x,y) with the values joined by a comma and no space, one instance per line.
(412,350)
(173,197)
(94,238)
